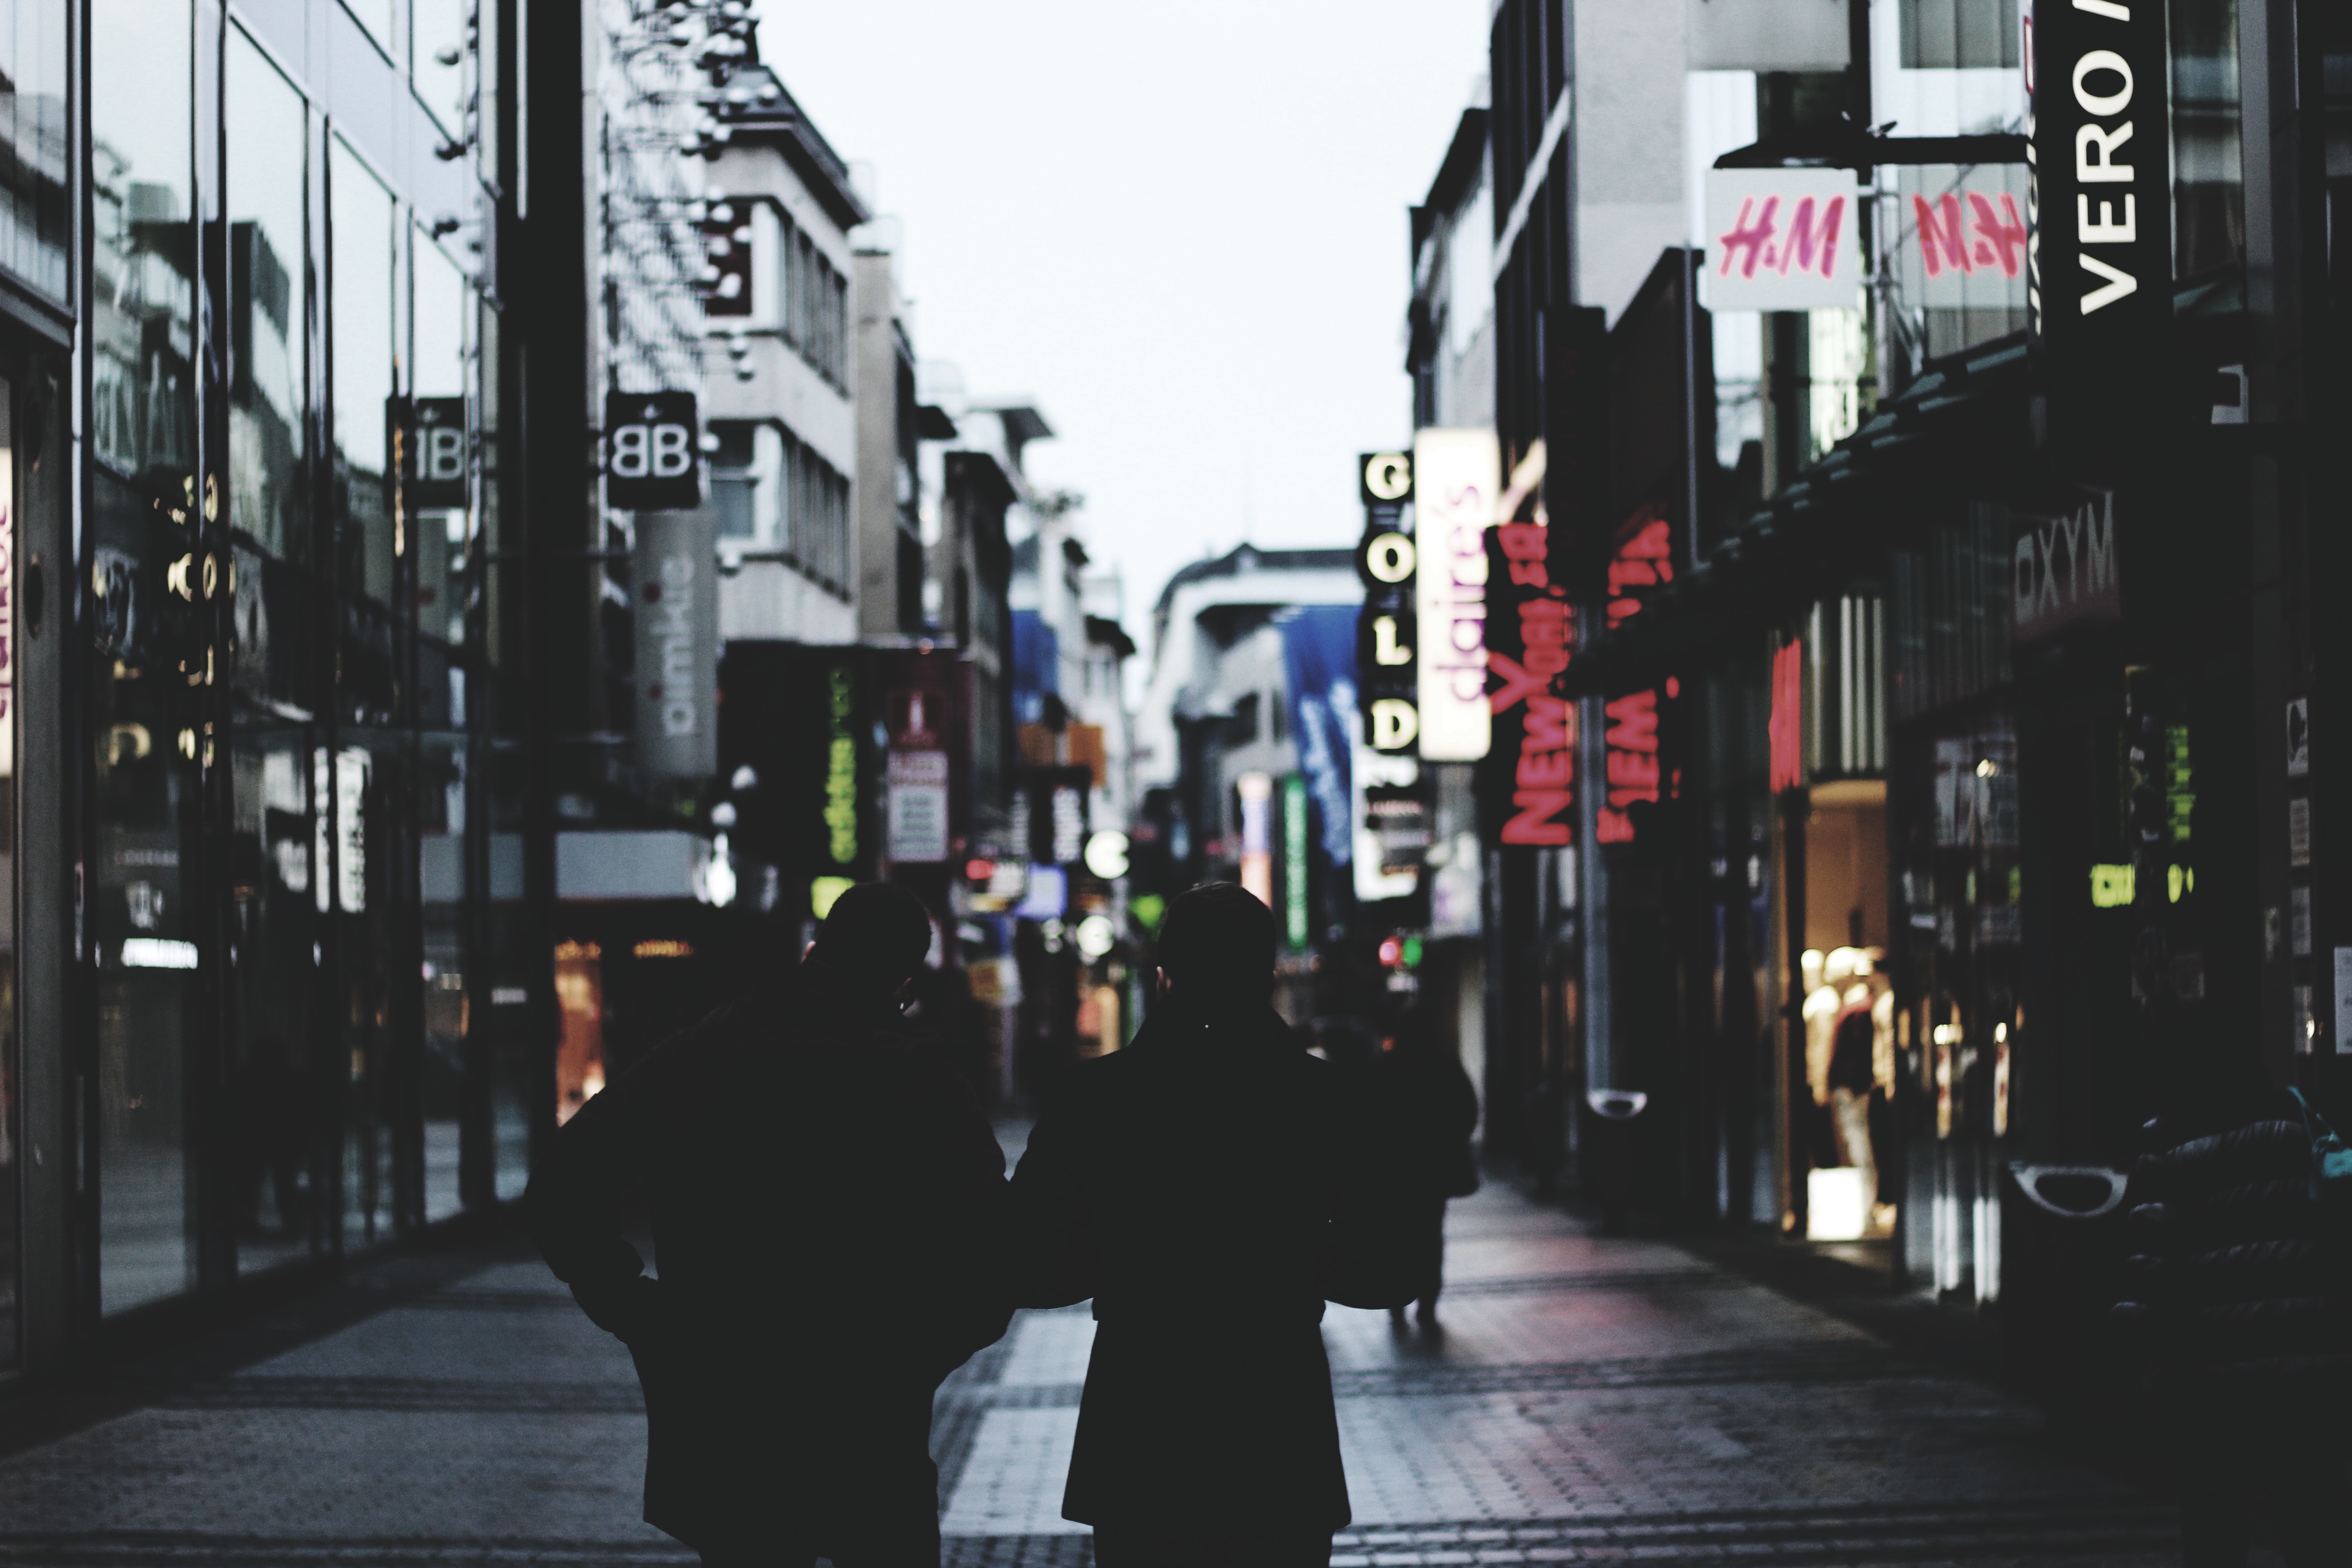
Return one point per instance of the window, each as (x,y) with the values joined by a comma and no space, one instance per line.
(34,209)
(734,488)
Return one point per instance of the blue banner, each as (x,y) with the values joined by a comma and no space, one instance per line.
(1319,656)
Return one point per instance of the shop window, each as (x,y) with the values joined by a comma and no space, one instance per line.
(269,303)
(1960,35)
(361,353)
(1949,613)
(2209,194)
(442,534)
(144,717)
(35,215)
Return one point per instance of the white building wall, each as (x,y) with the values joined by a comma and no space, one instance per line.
(1628,146)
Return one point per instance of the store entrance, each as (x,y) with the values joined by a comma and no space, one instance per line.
(1841,1122)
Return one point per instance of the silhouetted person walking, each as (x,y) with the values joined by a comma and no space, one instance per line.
(1428,1110)
(1206,1187)
(825,1197)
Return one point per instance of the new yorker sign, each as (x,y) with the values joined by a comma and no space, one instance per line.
(2099,210)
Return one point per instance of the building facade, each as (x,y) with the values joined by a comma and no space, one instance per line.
(257,394)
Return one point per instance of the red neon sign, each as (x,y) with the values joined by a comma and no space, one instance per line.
(1544,777)
(1644,561)
(1787,695)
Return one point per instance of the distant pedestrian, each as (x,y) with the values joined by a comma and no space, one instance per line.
(1208,1191)
(825,1197)
(2242,1262)
(1427,1110)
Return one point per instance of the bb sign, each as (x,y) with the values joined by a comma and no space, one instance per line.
(652,451)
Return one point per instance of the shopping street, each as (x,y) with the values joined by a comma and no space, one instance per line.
(1591,1399)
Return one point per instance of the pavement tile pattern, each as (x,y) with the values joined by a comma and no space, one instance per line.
(1592,1400)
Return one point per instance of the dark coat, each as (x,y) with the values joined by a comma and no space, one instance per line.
(1207,1188)
(2242,1279)
(825,1198)
(1429,1110)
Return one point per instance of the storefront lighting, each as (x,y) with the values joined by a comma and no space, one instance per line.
(1987,767)
(1106,855)
(1097,935)
(2111,886)
(158,952)
(823,890)
(978,870)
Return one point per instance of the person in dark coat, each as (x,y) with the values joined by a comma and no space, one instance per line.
(826,1200)
(1427,1112)
(1209,1190)
(2241,1303)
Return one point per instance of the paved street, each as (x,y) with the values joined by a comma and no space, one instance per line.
(1592,1399)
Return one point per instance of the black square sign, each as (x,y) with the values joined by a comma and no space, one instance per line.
(440,452)
(653,457)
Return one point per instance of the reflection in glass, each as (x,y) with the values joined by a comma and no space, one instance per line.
(441,810)
(34,188)
(145,638)
(269,300)
(364,372)
(11,1134)
(274,1077)
(2208,190)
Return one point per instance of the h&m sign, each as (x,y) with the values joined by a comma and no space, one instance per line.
(2064,570)
(2099,211)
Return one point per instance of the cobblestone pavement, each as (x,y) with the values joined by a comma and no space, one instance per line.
(1592,1401)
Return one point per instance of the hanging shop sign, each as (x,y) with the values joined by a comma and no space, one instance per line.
(1531,775)
(1784,239)
(1383,781)
(1457,476)
(2064,569)
(440,453)
(2099,293)
(917,809)
(1961,236)
(1387,680)
(1296,922)
(1385,479)
(652,451)
(675,569)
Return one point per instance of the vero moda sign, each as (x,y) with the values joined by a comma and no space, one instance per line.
(2099,210)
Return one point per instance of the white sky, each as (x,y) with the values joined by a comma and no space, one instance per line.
(1180,230)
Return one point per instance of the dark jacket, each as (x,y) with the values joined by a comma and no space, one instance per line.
(2242,1279)
(825,1198)
(1428,1110)
(1207,1189)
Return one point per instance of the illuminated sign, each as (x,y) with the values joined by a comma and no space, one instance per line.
(1456,474)
(1386,476)
(651,457)
(1646,560)
(1387,673)
(1784,239)
(2098,208)
(1632,762)
(1294,922)
(1543,778)
(841,766)
(1255,792)
(1788,754)
(1106,855)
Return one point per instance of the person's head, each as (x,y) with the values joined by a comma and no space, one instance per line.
(876,936)
(1216,947)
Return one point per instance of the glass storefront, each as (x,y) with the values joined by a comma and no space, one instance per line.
(284,1063)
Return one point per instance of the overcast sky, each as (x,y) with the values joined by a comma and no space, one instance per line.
(1180,230)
